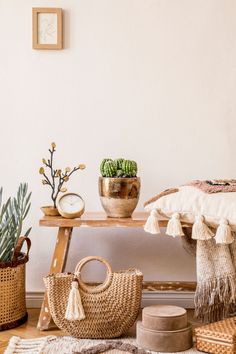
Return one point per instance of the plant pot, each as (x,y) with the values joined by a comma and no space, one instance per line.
(50,211)
(119,196)
(12,288)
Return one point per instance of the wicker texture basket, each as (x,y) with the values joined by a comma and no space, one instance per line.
(12,288)
(110,308)
(218,337)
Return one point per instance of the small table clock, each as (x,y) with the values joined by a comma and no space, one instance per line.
(70,205)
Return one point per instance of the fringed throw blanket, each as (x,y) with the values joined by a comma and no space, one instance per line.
(215,296)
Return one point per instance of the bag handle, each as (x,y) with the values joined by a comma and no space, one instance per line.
(19,245)
(91,289)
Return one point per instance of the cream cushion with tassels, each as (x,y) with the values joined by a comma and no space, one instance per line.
(203,210)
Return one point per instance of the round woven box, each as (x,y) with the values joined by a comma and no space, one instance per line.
(164,341)
(164,318)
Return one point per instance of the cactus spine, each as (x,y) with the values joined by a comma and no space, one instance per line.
(129,168)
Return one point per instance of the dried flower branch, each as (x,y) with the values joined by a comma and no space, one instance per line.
(55,178)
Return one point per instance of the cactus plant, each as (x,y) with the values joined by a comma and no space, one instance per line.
(129,168)
(118,163)
(110,169)
(120,173)
(135,168)
(102,166)
(118,168)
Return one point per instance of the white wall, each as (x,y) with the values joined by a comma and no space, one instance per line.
(150,80)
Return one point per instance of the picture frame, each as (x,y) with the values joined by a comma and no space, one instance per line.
(47,28)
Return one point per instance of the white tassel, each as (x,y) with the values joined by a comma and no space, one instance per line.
(200,230)
(75,310)
(152,225)
(224,233)
(174,227)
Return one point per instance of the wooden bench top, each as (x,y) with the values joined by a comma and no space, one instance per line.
(99,219)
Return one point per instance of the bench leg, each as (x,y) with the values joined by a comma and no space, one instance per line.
(57,266)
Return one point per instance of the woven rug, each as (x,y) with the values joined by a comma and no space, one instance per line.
(69,345)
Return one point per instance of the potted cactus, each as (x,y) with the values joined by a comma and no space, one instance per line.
(119,187)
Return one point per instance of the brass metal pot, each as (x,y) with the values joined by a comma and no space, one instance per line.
(119,196)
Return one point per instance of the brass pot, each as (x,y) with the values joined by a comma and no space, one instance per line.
(119,196)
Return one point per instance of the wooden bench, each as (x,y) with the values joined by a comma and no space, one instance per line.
(65,228)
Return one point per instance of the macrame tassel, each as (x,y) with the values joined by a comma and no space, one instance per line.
(224,233)
(200,230)
(152,225)
(75,310)
(174,227)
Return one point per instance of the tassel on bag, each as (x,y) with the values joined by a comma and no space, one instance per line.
(75,310)
(152,225)
(200,230)
(174,227)
(224,232)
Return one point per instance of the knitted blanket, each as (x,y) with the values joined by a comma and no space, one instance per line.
(215,296)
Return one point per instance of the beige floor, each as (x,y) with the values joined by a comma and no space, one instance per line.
(29,330)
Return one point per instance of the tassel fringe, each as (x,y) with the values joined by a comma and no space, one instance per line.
(214,298)
(224,233)
(174,227)
(200,230)
(152,225)
(75,310)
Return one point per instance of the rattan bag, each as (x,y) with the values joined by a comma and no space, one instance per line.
(109,309)
(12,288)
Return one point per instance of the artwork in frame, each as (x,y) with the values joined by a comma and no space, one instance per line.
(47,28)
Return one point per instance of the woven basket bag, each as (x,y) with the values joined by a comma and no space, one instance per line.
(110,308)
(12,288)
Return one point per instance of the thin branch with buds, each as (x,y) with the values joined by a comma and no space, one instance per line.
(56,178)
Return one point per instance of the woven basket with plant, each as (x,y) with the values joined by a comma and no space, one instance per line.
(12,260)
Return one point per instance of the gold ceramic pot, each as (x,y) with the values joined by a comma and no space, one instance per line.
(119,196)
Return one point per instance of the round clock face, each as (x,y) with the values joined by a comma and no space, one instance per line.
(71,205)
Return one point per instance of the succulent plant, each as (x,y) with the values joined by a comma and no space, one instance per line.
(56,178)
(118,168)
(12,215)
(129,168)
(118,163)
(102,166)
(110,169)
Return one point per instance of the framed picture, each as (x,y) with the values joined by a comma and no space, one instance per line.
(47,28)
